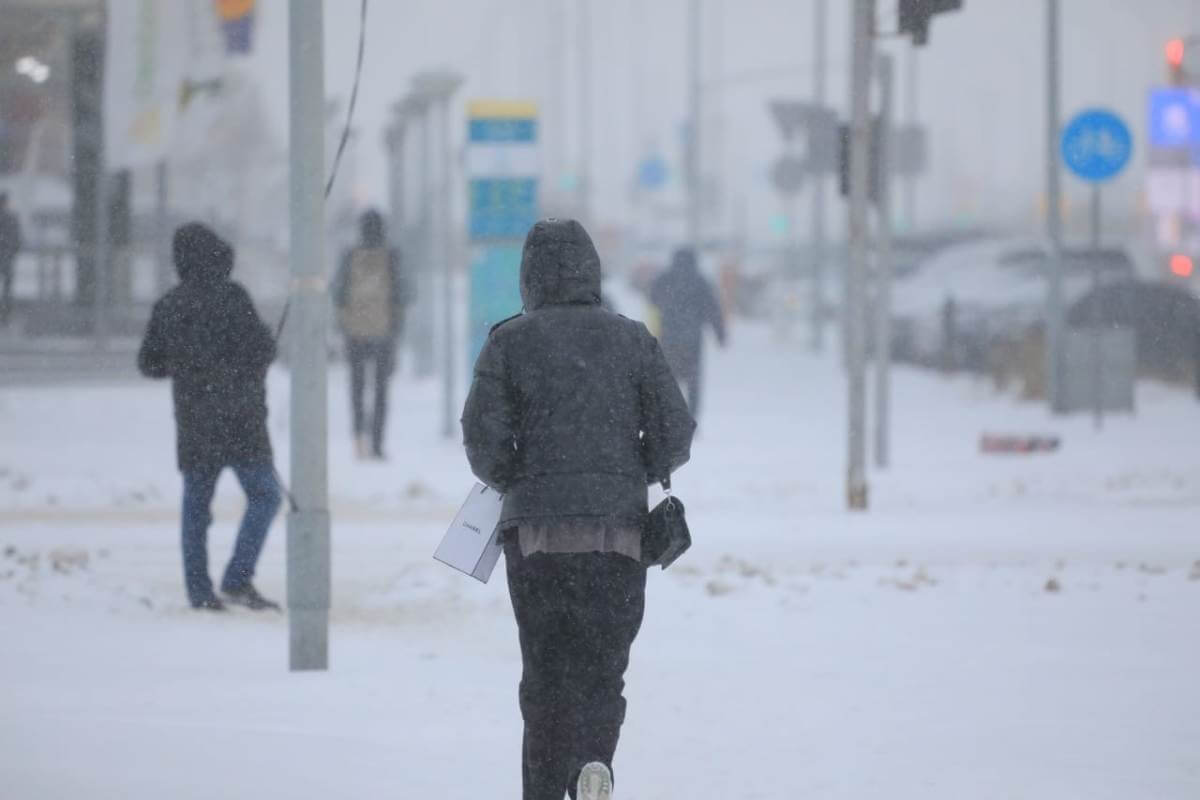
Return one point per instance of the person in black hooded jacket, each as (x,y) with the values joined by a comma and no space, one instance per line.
(572,413)
(206,336)
(687,303)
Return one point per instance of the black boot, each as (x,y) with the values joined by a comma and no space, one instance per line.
(249,597)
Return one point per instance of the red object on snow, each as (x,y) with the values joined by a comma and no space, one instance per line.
(1010,443)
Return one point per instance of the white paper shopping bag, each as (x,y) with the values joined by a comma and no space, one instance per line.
(470,544)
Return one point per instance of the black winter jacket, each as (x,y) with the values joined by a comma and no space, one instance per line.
(206,336)
(572,411)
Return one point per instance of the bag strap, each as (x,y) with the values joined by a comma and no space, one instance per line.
(666,485)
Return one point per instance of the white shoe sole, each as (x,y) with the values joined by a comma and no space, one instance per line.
(595,782)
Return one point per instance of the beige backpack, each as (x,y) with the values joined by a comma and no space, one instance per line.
(367,313)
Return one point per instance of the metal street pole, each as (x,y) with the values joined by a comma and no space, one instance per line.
(584,39)
(883,267)
(693,152)
(911,87)
(102,278)
(394,142)
(101,275)
(1054,300)
(308,569)
(860,132)
(1097,340)
(820,32)
(423,324)
(557,127)
(448,342)
(162,229)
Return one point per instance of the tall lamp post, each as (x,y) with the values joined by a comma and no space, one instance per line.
(438,87)
(394,137)
(308,546)
(424,354)
(416,246)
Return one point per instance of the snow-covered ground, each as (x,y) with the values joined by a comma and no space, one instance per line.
(995,627)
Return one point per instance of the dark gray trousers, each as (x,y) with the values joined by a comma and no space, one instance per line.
(577,616)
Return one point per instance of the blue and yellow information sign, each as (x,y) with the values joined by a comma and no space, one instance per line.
(502,170)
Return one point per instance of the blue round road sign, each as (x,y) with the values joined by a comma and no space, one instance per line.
(652,173)
(1096,144)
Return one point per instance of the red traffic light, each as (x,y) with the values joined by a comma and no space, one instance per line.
(1181,265)
(1175,53)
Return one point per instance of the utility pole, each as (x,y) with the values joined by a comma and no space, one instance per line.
(102,280)
(423,310)
(557,123)
(448,342)
(437,88)
(1054,299)
(393,139)
(883,265)
(162,229)
(583,30)
(820,25)
(1097,325)
(308,569)
(693,150)
(862,28)
(911,87)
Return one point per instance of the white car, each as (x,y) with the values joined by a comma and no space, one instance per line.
(998,289)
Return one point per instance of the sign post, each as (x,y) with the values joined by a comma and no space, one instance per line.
(308,544)
(817,127)
(862,46)
(502,168)
(1096,145)
(883,266)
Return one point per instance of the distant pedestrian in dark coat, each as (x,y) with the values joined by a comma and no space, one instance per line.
(573,411)
(207,338)
(10,245)
(686,304)
(371,293)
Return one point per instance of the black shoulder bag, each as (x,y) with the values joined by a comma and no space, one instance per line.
(666,536)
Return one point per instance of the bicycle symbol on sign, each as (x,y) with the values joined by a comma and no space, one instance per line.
(1096,145)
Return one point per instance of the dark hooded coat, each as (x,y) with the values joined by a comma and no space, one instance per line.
(206,336)
(572,411)
(686,303)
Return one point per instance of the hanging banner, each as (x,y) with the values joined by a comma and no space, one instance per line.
(502,166)
(142,75)
(159,58)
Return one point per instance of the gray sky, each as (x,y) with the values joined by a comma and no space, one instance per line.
(981,85)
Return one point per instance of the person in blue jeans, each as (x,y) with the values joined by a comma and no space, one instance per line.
(262,503)
(206,336)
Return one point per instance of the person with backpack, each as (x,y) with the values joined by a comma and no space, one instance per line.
(370,293)
(206,336)
(572,414)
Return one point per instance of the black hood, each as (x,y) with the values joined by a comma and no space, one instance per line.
(559,265)
(684,261)
(371,229)
(201,256)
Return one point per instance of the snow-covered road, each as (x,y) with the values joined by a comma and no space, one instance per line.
(995,627)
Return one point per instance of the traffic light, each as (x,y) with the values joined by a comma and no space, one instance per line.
(1175,51)
(915,14)
(1181,265)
